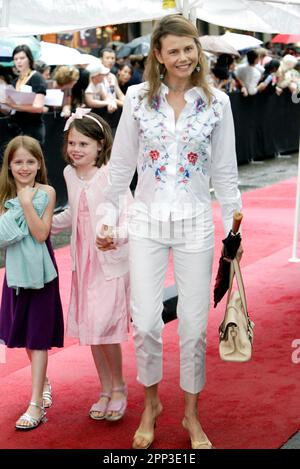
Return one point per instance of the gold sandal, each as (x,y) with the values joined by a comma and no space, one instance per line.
(147,436)
(199,444)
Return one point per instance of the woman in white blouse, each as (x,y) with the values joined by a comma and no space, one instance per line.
(179,133)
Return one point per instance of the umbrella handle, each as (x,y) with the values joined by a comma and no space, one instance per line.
(237,218)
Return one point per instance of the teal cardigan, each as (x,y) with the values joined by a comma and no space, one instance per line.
(28,262)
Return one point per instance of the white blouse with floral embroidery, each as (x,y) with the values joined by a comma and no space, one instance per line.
(175,160)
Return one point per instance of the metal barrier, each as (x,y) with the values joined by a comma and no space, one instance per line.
(264,126)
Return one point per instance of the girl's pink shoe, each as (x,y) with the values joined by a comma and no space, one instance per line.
(118,406)
(100,407)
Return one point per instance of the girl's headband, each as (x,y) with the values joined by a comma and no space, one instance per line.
(79,114)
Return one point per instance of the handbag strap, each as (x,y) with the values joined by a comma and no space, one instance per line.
(235,270)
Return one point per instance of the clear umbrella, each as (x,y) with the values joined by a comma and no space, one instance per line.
(8,44)
(138,46)
(58,54)
(217,45)
(241,41)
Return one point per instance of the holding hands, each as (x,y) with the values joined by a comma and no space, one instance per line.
(104,240)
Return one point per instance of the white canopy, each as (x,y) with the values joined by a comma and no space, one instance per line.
(26,17)
(271,16)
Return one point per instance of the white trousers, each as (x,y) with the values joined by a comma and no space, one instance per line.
(149,258)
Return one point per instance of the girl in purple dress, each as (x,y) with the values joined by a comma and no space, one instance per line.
(31,317)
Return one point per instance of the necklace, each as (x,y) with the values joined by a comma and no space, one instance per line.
(22,80)
(86,177)
(177,89)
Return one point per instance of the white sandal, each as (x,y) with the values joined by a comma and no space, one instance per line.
(47,396)
(34,422)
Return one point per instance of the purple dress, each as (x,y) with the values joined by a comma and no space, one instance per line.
(34,318)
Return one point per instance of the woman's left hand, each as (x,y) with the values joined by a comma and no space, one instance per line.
(239,253)
(105,239)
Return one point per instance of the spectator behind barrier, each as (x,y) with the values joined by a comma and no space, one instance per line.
(65,78)
(95,96)
(269,77)
(43,69)
(295,72)
(27,118)
(223,73)
(5,79)
(124,76)
(249,75)
(112,90)
(78,90)
(285,75)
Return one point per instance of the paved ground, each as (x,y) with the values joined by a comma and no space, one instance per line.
(264,173)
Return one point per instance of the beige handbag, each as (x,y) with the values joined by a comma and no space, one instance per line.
(236,329)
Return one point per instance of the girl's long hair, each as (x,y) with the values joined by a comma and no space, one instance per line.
(176,25)
(8,189)
(91,129)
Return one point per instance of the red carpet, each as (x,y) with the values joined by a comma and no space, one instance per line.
(250,405)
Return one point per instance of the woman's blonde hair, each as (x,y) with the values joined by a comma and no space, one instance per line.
(8,188)
(176,25)
(66,74)
(101,133)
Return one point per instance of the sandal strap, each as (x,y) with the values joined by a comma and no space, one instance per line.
(105,394)
(29,418)
(34,421)
(36,405)
(117,405)
(122,389)
(99,407)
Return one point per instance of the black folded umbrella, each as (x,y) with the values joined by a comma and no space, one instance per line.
(169,304)
(231,245)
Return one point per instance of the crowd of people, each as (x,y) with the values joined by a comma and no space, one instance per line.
(93,86)
(102,86)
(259,72)
(177,129)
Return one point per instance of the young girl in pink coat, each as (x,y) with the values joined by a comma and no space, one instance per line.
(99,304)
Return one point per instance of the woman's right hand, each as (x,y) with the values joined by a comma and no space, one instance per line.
(104,240)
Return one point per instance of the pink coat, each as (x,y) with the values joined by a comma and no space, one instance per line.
(114,263)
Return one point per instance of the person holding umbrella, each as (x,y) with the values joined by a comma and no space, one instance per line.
(179,133)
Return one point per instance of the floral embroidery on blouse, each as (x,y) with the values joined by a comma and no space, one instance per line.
(195,138)
(194,153)
(152,134)
(155,103)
